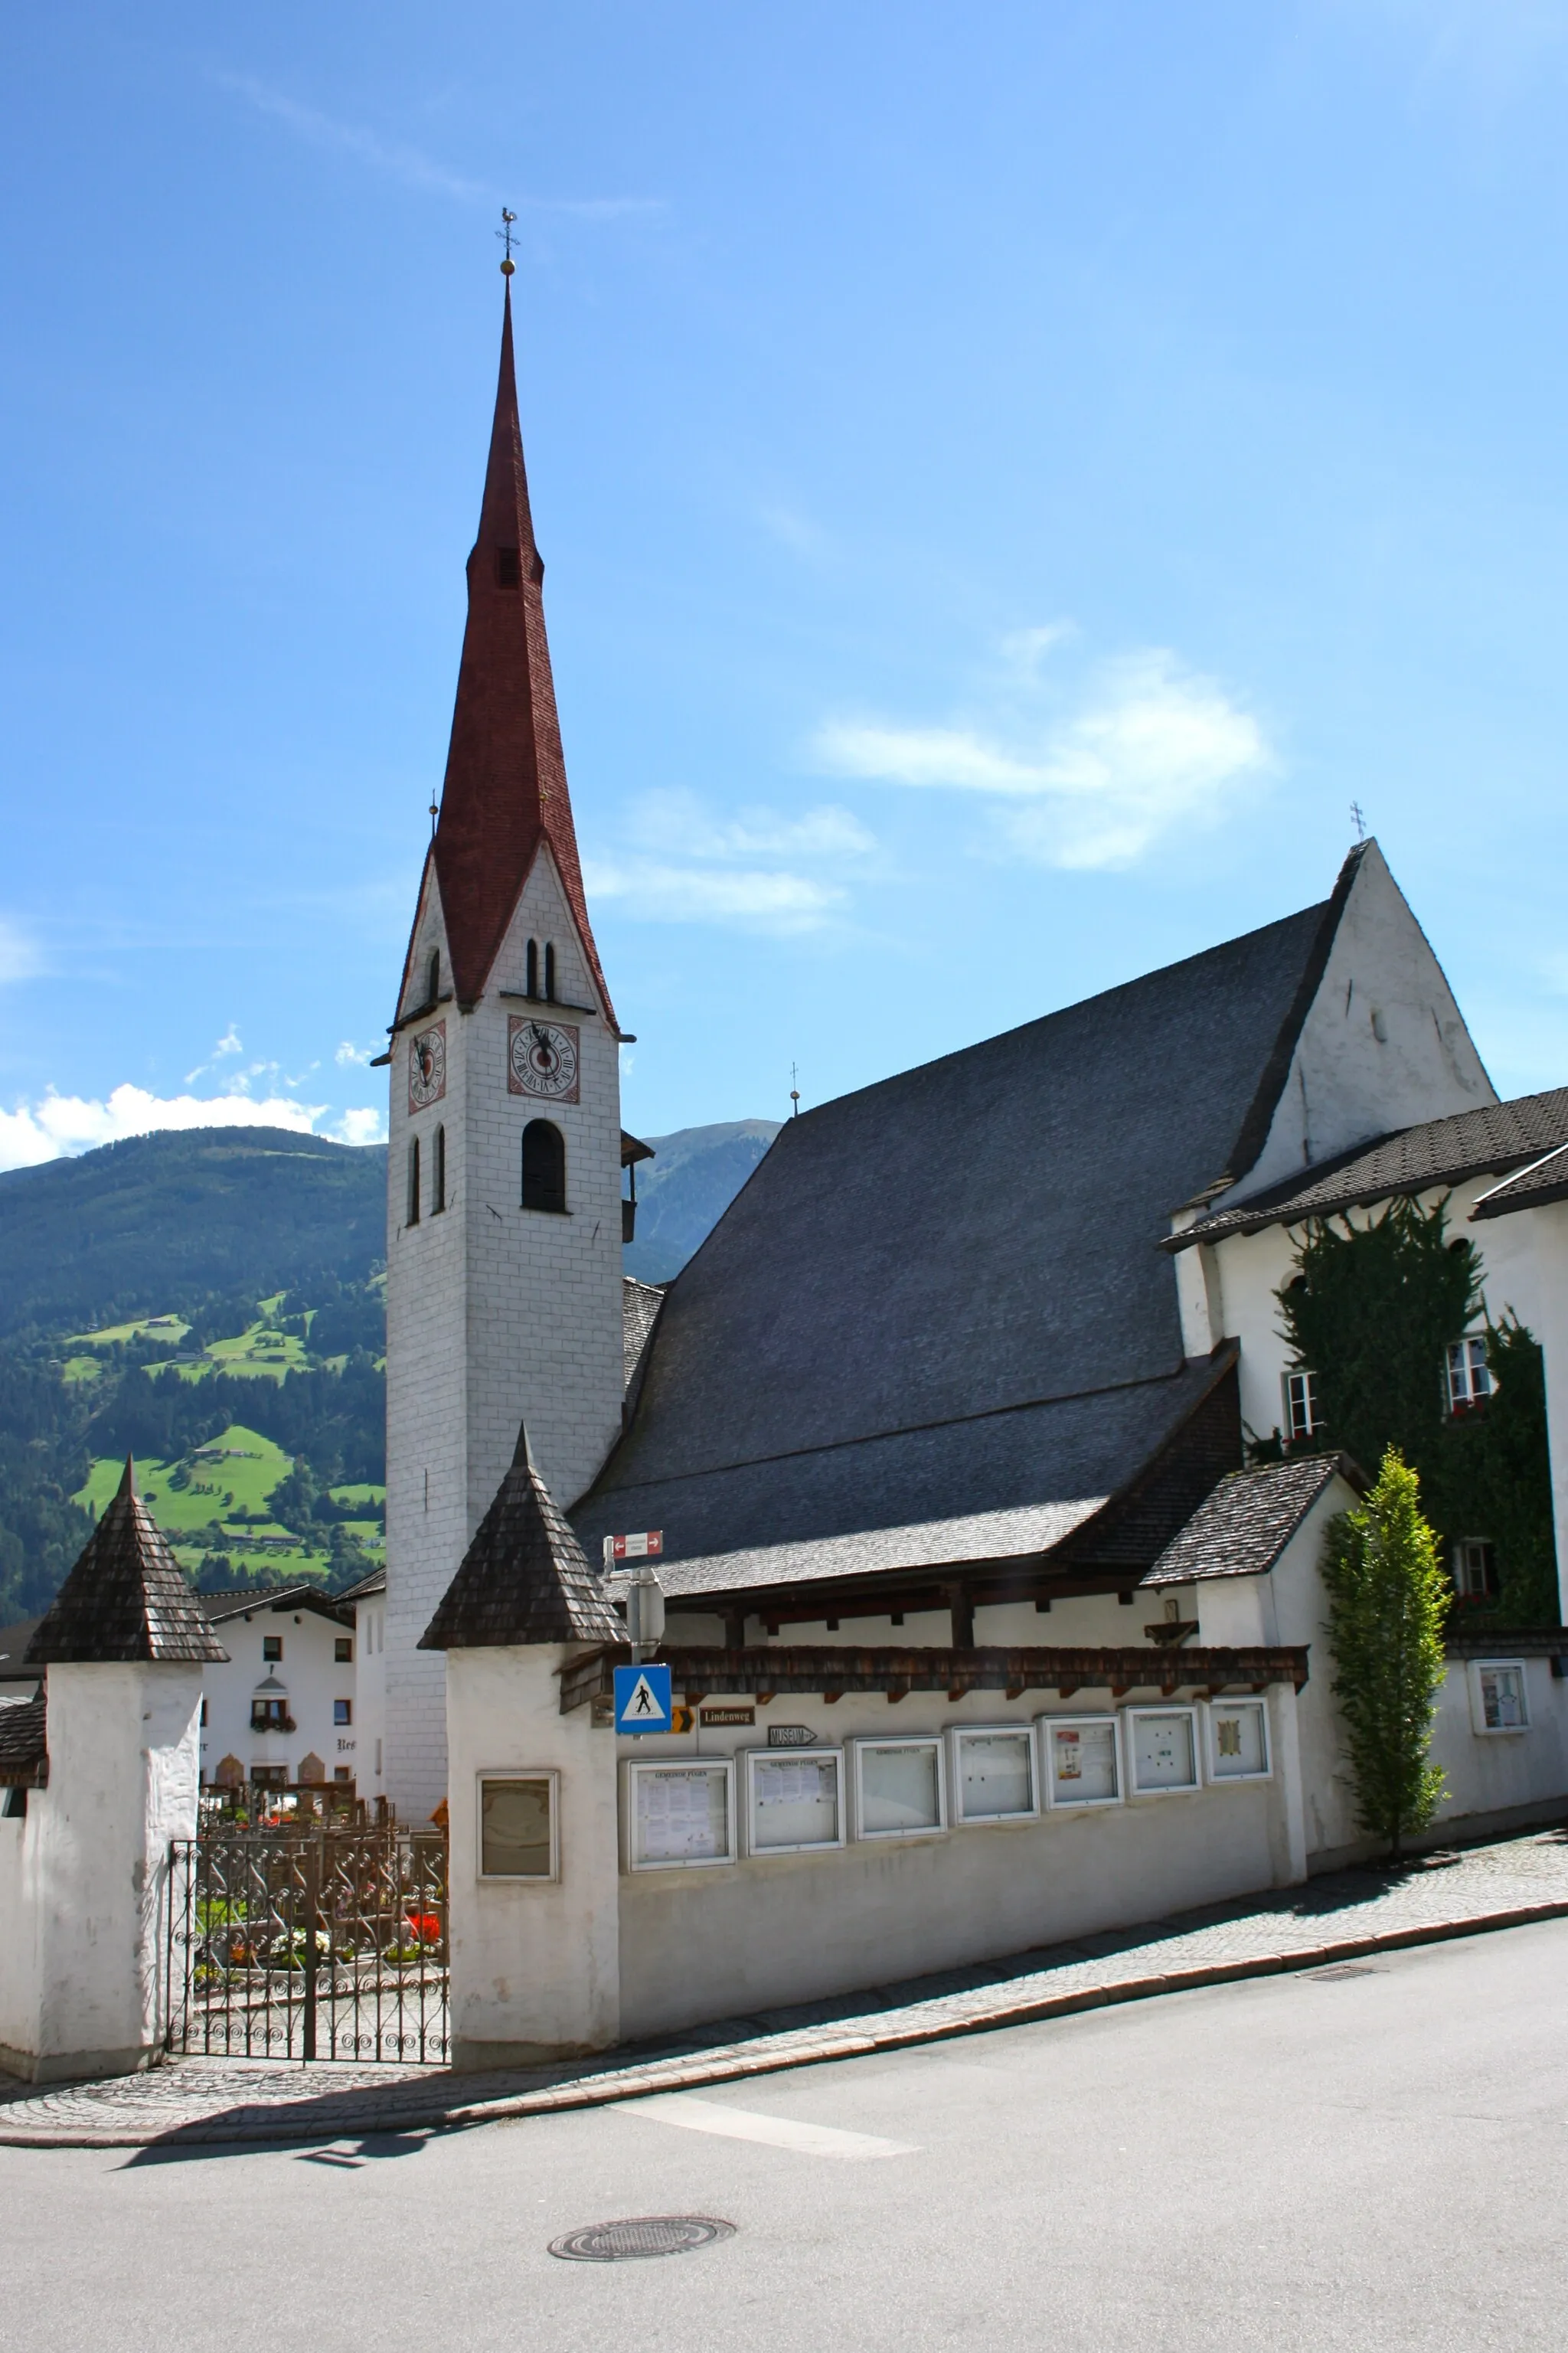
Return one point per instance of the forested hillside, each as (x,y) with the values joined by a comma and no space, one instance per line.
(213,1303)
(165,1222)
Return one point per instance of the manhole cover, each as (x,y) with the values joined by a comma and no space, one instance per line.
(1344,1969)
(645,2234)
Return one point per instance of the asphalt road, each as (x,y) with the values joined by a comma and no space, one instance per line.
(1374,2160)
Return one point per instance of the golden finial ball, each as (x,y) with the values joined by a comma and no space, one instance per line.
(508,268)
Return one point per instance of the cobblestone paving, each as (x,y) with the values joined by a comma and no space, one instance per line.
(1450,1892)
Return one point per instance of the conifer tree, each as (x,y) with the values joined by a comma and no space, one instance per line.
(1388,1599)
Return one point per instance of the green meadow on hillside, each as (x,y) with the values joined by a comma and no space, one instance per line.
(213,1503)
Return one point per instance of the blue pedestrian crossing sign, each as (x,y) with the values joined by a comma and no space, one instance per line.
(644,1701)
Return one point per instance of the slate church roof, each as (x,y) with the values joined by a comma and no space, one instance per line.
(524,1578)
(126,1599)
(935,1324)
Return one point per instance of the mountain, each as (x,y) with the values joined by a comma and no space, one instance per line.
(684,1191)
(157,1223)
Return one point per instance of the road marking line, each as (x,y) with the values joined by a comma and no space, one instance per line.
(693,2115)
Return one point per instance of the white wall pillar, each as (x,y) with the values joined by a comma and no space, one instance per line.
(92,1874)
(536,1963)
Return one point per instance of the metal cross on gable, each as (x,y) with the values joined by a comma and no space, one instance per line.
(1359,815)
(505,235)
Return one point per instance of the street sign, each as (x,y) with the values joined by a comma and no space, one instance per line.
(647,1546)
(644,1701)
(791,1735)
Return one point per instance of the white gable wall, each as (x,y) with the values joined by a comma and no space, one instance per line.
(1383,1044)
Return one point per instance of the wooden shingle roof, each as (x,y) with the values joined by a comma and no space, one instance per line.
(23,1745)
(1499,1137)
(1543,1181)
(524,1578)
(126,1599)
(1244,1526)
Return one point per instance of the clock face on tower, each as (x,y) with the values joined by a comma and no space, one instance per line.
(542,1058)
(427,1067)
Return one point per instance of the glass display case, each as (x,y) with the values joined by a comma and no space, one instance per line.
(1083,1760)
(679,1813)
(899,1788)
(994,1775)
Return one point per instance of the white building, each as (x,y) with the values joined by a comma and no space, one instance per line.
(298,1700)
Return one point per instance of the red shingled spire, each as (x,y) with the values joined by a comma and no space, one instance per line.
(506,779)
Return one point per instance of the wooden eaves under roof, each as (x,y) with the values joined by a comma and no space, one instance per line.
(827,1671)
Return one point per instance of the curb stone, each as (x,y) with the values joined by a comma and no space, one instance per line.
(940,2020)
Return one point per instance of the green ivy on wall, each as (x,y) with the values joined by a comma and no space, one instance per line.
(1372,1309)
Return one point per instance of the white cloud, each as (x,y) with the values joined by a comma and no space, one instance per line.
(350,138)
(677,822)
(410,164)
(69,1124)
(358,1126)
(349,1052)
(755,900)
(229,1043)
(684,865)
(791,529)
(1027,649)
(1151,746)
(19,956)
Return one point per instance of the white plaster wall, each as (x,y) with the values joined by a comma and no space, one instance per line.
(709,1943)
(19,1938)
(427,1525)
(370,1693)
(1384,1045)
(1097,1618)
(494,1314)
(1490,1772)
(1289,1605)
(310,1674)
(536,1966)
(122,1786)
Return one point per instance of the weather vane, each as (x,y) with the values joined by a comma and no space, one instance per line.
(795,1092)
(504,233)
(1360,815)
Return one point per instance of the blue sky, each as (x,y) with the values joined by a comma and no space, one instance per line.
(1010,477)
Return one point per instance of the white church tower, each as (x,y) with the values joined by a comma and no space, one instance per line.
(503,1244)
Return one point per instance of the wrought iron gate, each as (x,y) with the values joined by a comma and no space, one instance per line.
(309,1940)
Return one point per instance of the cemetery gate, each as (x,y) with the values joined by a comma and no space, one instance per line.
(308,1936)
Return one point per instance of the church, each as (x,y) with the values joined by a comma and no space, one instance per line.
(988,1621)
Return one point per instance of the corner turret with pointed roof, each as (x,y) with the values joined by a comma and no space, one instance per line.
(525,1578)
(505,793)
(126,1601)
